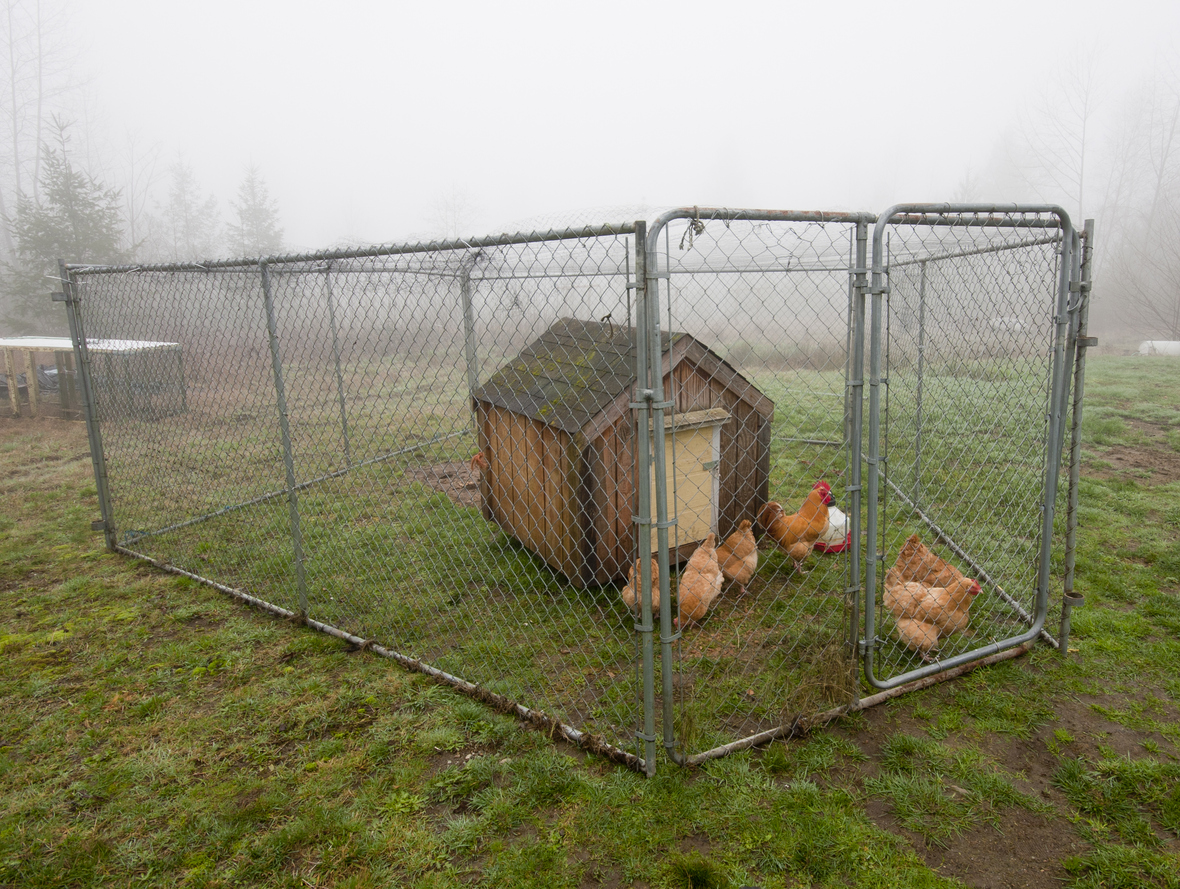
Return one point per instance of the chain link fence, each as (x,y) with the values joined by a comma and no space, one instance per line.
(973,331)
(450,453)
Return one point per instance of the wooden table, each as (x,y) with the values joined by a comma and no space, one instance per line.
(117,356)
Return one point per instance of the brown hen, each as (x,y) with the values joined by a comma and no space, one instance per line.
(796,534)
(630,592)
(700,581)
(738,555)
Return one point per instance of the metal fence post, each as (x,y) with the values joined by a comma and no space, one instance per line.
(1058,397)
(878,287)
(336,359)
(663,562)
(921,376)
(643,439)
(69,296)
(1070,599)
(276,364)
(469,324)
(856,402)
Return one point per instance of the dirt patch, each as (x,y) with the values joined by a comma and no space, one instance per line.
(457,480)
(1027,849)
(1152,465)
(1155,463)
(1024,852)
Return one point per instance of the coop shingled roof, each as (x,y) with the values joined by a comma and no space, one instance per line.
(569,374)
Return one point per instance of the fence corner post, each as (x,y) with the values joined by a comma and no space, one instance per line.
(69,296)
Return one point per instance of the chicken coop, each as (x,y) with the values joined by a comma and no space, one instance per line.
(557,429)
(447,454)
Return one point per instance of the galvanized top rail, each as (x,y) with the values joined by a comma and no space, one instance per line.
(705,214)
(983,215)
(596,231)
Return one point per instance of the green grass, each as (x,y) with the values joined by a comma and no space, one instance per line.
(938,792)
(153,731)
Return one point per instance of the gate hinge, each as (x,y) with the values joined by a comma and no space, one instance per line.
(64,298)
(100,525)
(1087,341)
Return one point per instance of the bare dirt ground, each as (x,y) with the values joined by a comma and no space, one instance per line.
(1154,465)
(1027,850)
(456,480)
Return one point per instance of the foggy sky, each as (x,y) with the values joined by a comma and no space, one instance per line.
(365,117)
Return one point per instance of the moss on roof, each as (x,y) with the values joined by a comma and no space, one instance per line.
(570,373)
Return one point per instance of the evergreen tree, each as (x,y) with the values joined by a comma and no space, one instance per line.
(192,221)
(256,231)
(74,218)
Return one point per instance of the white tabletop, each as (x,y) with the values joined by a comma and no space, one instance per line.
(63,343)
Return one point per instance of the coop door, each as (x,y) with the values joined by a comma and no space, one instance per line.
(692,455)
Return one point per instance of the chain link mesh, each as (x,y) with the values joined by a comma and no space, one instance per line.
(970,328)
(380,360)
(771,301)
(435,448)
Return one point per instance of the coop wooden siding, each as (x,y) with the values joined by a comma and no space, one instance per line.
(614,493)
(527,491)
(745,466)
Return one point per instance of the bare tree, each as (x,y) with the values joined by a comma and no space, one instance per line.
(1148,270)
(1142,211)
(1057,136)
(452,215)
(140,176)
(969,188)
(32,73)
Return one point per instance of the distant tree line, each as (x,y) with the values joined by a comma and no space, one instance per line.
(55,202)
(1113,156)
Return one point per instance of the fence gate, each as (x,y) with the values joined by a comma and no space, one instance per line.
(969,380)
(779,299)
(456,453)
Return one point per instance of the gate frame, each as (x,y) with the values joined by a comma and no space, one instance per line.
(655,397)
(994,216)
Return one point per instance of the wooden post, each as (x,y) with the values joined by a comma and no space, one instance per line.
(32,382)
(13,394)
(65,381)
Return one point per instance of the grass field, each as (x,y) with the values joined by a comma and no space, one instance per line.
(155,732)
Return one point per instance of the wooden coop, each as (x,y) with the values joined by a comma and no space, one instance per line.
(556,427)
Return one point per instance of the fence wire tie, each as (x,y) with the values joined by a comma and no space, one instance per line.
(695,227)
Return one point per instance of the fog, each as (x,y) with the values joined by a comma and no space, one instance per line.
(311,126)
(377,122)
